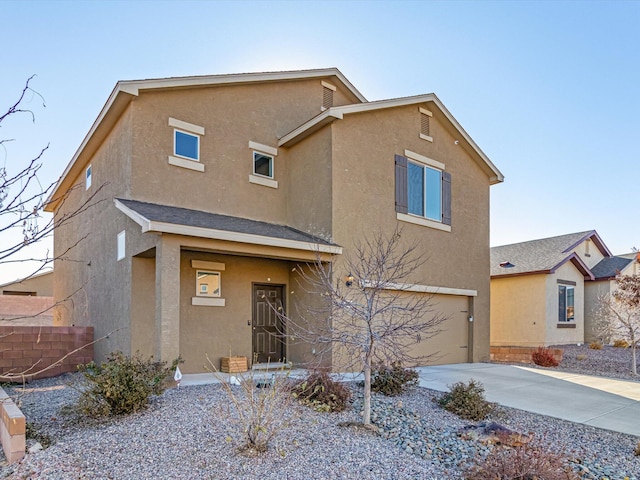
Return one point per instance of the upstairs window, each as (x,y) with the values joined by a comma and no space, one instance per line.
(423,190)
(186,145)
(87,178)
(262,164)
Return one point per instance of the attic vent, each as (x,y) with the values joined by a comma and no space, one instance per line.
(425,127)
(506,265)
(327,95)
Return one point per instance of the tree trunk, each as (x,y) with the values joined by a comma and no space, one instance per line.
(367,391)
(634,369)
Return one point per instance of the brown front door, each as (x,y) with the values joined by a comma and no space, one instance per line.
(268,344)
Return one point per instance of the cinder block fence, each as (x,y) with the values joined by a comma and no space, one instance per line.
(31,349)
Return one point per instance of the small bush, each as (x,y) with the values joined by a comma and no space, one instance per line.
(320,392)
(122,384)
(581,357)
(542,356)
(526,462)
(619,343)
(393,380)
(637,450)
(595,345)
(467,401)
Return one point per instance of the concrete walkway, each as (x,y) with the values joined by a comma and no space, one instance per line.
(597,401)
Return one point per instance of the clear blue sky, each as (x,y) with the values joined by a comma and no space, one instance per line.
(549,90)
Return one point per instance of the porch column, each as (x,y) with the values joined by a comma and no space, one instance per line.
(167,298)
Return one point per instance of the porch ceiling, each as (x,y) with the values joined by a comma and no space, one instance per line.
(231,232)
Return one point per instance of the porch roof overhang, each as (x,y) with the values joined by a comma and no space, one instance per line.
(157,218)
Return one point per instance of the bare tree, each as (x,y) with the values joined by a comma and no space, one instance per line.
(365,314)
(23,198)
(618,314)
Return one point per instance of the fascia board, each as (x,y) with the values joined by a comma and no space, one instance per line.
(133,215)
(236,78)
(578,263)
(112,109)
(190,231)
(419,288)
(521,274)
(600,245)
(309,127)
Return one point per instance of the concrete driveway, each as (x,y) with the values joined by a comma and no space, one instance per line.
(600,402)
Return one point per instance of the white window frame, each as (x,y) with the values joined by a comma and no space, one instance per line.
(192,130)
(199,290)
(267,151)
(121,245)
(87,177)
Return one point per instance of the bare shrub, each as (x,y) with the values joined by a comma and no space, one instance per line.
(393,380)
(258,408)
(320,392)
(526,462)
(595,345)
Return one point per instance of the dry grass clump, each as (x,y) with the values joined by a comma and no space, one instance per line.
(595,345)
(620,343)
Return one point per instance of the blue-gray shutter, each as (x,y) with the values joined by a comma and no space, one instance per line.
(446,198)
(402,201)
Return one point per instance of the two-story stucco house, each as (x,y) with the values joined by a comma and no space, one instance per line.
(216,187)
(545,291)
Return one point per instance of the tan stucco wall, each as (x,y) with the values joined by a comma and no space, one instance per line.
(363,188)
(559,336)
(593,291)
(219,331)
(518,310)
(41,284)
(589,253)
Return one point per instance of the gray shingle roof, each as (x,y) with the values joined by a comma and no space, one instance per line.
(610,267)
(196,218)
(541,255)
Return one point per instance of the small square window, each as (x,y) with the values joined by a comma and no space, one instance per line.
(207,284)
(87,178)
(187,145)
(262,164)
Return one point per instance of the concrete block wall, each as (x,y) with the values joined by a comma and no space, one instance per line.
(519,354)
(12,429)
(23,347)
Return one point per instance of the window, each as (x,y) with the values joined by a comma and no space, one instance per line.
(121,245)
(207,283)
(566,302)
(87,178)
(186,145)
(423,191)
(262,164)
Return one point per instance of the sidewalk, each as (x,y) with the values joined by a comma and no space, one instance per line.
(601,402)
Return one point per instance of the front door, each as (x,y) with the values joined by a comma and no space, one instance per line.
(268,344)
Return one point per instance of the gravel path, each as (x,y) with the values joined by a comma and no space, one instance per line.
(185,434)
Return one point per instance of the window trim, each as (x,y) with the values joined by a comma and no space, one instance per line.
(187,129)
(267,151)
(567,286)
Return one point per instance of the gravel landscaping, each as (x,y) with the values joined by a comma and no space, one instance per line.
(186,433)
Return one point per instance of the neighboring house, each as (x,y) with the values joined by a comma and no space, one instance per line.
(543,291)
(218,187)
(603,284)
(40,284)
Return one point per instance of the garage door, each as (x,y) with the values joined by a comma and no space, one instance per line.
(452,344)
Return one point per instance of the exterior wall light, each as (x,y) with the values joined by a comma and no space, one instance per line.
(349,280)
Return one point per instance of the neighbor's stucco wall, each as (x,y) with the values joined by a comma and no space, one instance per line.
(554,334)
(518,310)
(363,186)
(593,292)
(41,284)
